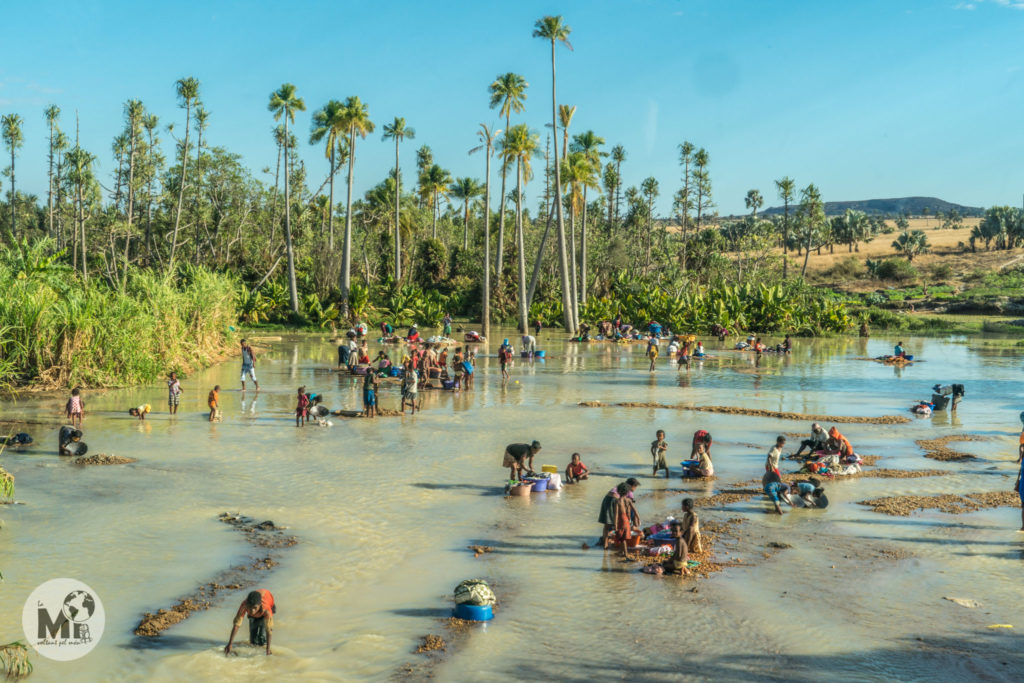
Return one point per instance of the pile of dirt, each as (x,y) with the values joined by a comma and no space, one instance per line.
(753,412)
(259,535)
(727,497)
(937,449)
(432,643)
(381,412)
(103,459)
(479,550)
(870,460)
(902,506)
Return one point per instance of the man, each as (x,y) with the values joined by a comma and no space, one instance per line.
(259,607)
(817,442)
(515,454)
(774,455)
(1019,486)
(899,351)
(248,365)
(529,344)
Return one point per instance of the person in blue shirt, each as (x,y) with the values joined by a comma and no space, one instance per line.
(1019,485)
(899,351)
(775,489)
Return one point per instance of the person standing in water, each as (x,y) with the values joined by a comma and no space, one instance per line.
(260,608)
(248,364)
(658,449)
(504,357)
(173,393)
(75,408)
(1019,486)
(652,351)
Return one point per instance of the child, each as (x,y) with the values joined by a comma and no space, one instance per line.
(370,395)
(318,412)
(676,564)
(300,407)
(139,412)
(469,365)
(410,387)
(701,465)
(658,448)
(812,493)
(690,525)
(652,351)
(213,400)
(771,464)
(775,489)
(173,393)
(75,408)
(576,471)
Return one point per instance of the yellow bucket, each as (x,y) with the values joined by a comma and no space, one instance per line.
(550,469)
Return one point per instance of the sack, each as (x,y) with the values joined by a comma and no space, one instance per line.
(474,592)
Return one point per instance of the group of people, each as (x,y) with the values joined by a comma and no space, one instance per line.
(699,463)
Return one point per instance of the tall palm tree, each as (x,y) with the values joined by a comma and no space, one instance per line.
(434,182)
(329,125)
(135,112)
(754,201)
(649,187)
(618,156)
(398,131)
(702,182)
(508,94)
(589,144)
(284,102)
(785,187)
(52,114)
(202,117)
(487,136)
(565,114)
(465,189)
(555,30)
(580,174)
(150,123)
(357,119)
(14,139)
(80,175)
(520,145)
(187,90)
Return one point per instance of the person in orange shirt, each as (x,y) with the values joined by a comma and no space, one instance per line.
(213,401)
(260,608)
(840,442)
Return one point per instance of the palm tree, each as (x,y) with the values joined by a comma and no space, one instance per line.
(398,131)
(465,189)
(754,201)
(188,92)
(650,189)
(150,123)
(554,29)
(702,183)
(508,91)
(487,136)
(80,175)
(52,114)
(580,174)
(135,113)
(785,187)
(910,243)
(424,160)
(284,103)
(589,143)
(618,156)
(15,139)
(434,182)
(357,119)
(812,215)
(520,144)
(329,125)
(565,114)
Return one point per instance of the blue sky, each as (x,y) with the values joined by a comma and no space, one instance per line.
(868,99)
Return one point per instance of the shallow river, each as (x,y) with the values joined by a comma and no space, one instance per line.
(385,509)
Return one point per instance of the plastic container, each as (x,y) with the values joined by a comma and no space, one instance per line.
(555,482)
(474,612)
(538,354)
(448,383)
(550,469)
(521,490)
(524,354)
(540,485)
(633,541)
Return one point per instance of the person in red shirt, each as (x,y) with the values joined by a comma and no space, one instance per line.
(259,607)
(302,407)
(576,470)
(701,436)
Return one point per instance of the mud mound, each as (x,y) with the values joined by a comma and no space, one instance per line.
(431,643)
(937,449)
(381,412)
(870,460)
(902,506)
(778,415)
(726,498)
(259,535)
(103,459)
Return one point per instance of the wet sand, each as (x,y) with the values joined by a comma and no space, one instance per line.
(753,412)
(953,504)
(937,449)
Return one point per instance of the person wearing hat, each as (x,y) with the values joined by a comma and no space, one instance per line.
(414,334)
(515,454)
(504,358)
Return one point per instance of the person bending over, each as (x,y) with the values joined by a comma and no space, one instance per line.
(260,608)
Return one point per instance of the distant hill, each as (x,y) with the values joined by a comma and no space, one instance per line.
(914,206)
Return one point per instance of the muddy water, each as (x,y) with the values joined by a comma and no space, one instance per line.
(385,509)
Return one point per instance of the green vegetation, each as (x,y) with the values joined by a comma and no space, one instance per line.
(14,662)
(58,331)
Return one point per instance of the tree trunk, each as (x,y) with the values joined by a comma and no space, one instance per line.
(807,250)
(583,251)
(572,246)
(181,187)
(785,239)
(499,262)
(487,248)
(567,313)
(131,205)
(650,230)
(49,188)
(149,207)
(433,218)
(293,293)
(465,227)
(346,251)
(13,198)
(521,257)
(398,202)
(330,208)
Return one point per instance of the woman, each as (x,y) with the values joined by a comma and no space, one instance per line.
(839,442)
(624,515)
(609,507)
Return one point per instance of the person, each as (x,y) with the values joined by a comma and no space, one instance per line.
(139,412)
(771,464)
(75,407)
(370,394)
(576,471)
(364,354)
(382,362)
(957,390)
(899,351)
(353,351)
(652,351)
(386,330)
(775,489)
(529,344)
(654,328)
(213,401)
(658,448)
(458,370)
(515,454)
(623,518)
(504,356)
(173,393)
(447,321)
(691,525)
(683,358)
(701,436)
(699,353)
(787,345)
(316,411)
(361,329)
(65,437)
(18,440)
(676,563)
(673,346)
(248,364)
(414,334)
(812,493)
(839,442)
(703,466)
(817,442)
(260,608)
(343,354)
(410,386)
(1019,485)
(537,327)
(469,366)
(301,407)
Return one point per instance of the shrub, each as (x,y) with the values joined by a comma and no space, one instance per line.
(899,271)
(847,269)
